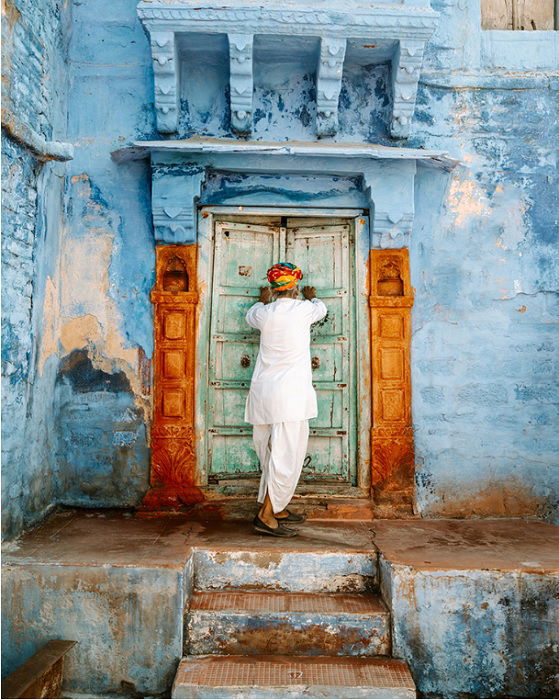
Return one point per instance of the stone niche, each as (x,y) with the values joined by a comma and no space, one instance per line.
(231,42)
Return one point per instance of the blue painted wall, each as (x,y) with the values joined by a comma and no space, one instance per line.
(34,103)
(485,348)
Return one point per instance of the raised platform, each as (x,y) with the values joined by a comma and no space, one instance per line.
(475,604)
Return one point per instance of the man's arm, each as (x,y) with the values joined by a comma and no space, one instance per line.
(254,314)
(319,310)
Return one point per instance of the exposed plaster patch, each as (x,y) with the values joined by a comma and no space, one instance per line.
(467,200)
(51,318)
(90,316)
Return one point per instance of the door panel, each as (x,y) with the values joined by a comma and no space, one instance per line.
(237,452)
(325,452)
(322,251)
(235,360)
(330,409)
(243,254)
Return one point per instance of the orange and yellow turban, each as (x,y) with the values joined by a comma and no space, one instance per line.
(283,276)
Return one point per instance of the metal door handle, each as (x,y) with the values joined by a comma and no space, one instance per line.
(245,361)
(315,362)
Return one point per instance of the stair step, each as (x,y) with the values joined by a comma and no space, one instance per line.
(281,570)
(242,622)
(292,677)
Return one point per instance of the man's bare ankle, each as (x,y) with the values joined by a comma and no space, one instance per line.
(268,519)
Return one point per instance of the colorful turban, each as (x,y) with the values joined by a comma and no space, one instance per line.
(282,276)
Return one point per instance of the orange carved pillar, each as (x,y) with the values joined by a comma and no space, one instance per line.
(173,456)
(392,446)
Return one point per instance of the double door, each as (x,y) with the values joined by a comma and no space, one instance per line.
(243,252)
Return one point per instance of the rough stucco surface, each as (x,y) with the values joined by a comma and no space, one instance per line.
(475,604)
(485,357)
(34,98)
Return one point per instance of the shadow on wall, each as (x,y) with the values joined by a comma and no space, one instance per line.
(102,451)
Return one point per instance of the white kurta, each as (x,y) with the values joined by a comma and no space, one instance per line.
(281,388)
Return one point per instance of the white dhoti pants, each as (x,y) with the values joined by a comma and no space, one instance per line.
(281,450)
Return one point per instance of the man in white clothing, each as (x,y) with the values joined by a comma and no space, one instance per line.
(282,398)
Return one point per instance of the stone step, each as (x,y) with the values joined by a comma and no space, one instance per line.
(311,571)
(292,677)
(307,624)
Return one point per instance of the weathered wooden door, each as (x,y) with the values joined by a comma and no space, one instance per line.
(242,254)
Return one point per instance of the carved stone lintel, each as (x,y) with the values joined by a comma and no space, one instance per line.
(174,196)
(415,19)
(241,82)
(406,67)
(328,84)
(165,75)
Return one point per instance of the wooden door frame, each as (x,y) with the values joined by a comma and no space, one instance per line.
(359,220)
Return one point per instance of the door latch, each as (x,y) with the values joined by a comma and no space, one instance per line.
(315,362)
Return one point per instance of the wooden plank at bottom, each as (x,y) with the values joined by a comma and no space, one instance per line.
(41,675)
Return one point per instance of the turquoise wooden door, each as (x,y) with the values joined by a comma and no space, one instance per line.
(242,255)
(322,251)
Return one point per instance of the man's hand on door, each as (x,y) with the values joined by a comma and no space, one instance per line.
(265,295)
(309,293)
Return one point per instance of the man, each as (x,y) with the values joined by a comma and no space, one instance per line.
(282,398)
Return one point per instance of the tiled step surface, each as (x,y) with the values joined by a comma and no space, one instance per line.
(309,571)
(292,677)
(243,622)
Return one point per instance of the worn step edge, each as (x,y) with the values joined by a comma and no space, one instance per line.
(280,677)
(233,622)
(295,571)
(245,602)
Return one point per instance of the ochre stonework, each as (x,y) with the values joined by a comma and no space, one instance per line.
(173,455)
(392,446)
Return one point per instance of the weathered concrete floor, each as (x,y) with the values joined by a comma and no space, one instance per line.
(475,603)
(496,544)
(117,538)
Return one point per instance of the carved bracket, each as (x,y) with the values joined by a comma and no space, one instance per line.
(328,84)
(241,82)
(175,192)
(165,75)
(406,67)
(410,23)
(391,195)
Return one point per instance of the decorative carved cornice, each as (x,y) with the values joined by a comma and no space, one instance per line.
(387,20)
(410,25)
(241,82)
(329,84)
(165,77)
